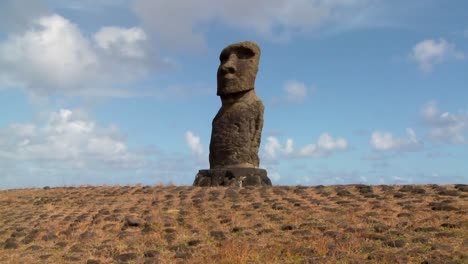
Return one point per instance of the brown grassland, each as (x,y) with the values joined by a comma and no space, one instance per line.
(295,224)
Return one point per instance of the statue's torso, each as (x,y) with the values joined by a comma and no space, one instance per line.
(236,133)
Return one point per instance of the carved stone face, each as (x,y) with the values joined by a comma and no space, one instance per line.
(238,68)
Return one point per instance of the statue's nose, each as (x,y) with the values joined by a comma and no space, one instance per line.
(229,66)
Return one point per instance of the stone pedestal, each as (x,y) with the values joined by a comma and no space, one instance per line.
(239,177)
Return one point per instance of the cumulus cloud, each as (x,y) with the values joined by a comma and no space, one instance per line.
(70,137)
(385,141)
(54,56)
(325,146)
(126,42)
(430,52)
(194,143)
(273,19)
(63,143)
(445,126)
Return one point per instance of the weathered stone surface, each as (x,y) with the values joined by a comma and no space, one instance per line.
(237,127)
(238,68)
(236,132)
(240,177)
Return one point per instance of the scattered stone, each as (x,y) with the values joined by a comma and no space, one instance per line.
(278,206)
(194,242)
(422,240)
(442,206)
(132,221)
(49,236)
(46,256)
(287,227)
(441,247)
(461,187)
(170,238)
(397,243)
(440,259)
(302,233)
(34,248)
(182,255)
(61,244)
(237,229)
(126,257)
(153,261)
(342,192)
(402,224)
(303,251)
(404,214)
(333,234)
(417,190)
(169,230)
(376,237)
(444,234)
(31,236)
(265,231)
(450,225)
(256,205)
(426,229)
(71,258)
(218,235)
(449,192)
(151,254)
(224,221)
(10,243)
(77,248)
(87,235)
(381,228)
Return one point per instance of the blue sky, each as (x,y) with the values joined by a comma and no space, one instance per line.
(122,92)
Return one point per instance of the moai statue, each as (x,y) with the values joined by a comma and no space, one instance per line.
(237,128)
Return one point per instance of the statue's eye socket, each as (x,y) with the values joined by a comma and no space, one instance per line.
(244,53)
(240,52)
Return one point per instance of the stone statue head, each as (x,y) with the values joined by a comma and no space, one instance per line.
(238,68)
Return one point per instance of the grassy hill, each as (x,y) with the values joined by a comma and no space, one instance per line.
(170,224)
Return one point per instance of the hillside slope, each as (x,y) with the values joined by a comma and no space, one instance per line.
(170,224)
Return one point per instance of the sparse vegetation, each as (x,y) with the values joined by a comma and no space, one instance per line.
(295,224)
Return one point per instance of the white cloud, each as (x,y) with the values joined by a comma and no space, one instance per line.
(385,141)
(194,143)
(272,147)
(54,56)
(180,23)
(65,144)
(430,52)
(445,126)
(126,42)
(295,91)
(325,146)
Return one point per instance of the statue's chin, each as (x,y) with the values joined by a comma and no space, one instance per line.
(232,88)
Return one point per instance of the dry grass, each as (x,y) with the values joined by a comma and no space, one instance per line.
(157,224)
